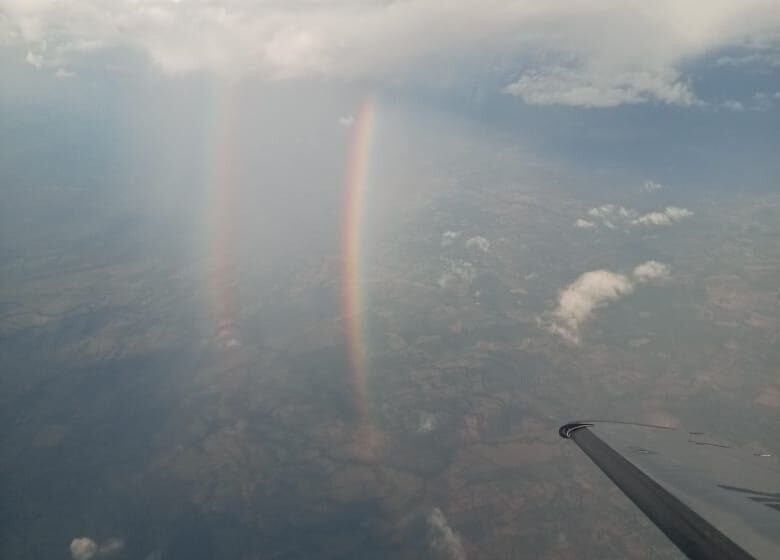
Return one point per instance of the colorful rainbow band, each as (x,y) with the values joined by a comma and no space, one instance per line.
(352,251)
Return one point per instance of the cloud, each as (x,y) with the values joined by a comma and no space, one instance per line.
(478,242)
(35,60)
(581,298)
(652,186)
(594,290)
(650,270)
(669,215)
(584,88)
(63,74)
(609,214)
(111,546)
(653,218)
(605,215)
(585,224)
(460,275)
(676,213)
(609,210)
(762,101)
(602,211)
(733,105)
(347,121)
(763,57)
(84,548)
(442,538)
(583,54)
(427,422)
(449,237)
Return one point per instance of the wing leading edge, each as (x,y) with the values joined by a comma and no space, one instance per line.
(711,500)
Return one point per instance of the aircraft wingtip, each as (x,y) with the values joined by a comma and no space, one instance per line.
(567,430)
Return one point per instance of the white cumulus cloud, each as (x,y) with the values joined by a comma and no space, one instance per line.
(449,237)
(652,186)
(84,548)
(651,270)
(585,224)
(594,290)
(442,538)
(611,215)
(669,215)
(580,299)
(427,422)
(733,105)
(676,213)
(606,211)
(478,242)
(602,211)
(653,218)
(347,121)
(34,60)
(63,74)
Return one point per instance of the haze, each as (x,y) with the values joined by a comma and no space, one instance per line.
(321,279)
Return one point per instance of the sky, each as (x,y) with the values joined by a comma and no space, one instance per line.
(213,209)
(617,81)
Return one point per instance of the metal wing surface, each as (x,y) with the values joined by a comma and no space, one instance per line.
(711,499)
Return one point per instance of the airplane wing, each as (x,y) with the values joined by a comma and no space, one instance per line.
(712,500)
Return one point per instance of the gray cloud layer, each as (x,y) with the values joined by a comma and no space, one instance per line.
(589,54)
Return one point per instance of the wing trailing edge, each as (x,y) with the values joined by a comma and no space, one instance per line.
(684,483)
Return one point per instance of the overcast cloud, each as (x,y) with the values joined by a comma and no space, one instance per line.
(587,54)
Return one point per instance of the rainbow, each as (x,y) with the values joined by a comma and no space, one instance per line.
(222,205)
(221,208)
(352,254)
